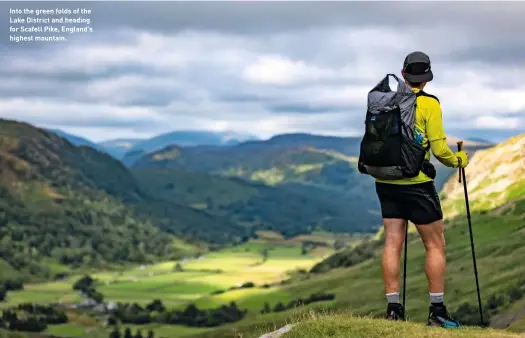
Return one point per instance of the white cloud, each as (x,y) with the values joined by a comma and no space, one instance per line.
(278,70)
(494,122)
(311,80)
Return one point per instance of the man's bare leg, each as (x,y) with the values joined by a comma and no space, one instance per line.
(394,238)
(433,238)
(435,263)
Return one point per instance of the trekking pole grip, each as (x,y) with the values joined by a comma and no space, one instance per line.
(460,147)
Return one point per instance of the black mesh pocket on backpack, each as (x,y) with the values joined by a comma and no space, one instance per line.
(381,144)
(412,155)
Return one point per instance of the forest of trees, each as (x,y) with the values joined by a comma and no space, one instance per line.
(83,208)
(31,317)
(156,312)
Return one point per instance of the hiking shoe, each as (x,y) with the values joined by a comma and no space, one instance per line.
(439,316)
(395,311)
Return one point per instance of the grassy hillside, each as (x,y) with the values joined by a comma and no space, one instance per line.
(312,173)
(354,275)
(77,207)
(494,177)
(359,288)
(62,203)
(77,140)
(285,209)
(318,168)
(347,326)
(209,281)
(356,280)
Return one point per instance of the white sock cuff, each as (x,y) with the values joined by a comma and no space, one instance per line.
(392,294)
(436,294)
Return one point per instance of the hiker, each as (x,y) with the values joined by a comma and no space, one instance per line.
(410,196)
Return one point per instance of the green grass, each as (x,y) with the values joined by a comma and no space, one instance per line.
(200,277)
(9,334)
(166,331)
(67,330)
(347,326)
(499,248)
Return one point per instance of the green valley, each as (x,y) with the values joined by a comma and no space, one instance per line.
(229,241)
(286,209)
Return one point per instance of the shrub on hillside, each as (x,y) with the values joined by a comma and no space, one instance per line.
(279,307)
(468,314)
(115,333)
(247,285)
(13,285)
(515,293)
(83,284)
(348,257)
(493,302)
(3,293)
(266,308)
(339,244)
(315,297)
(156,305)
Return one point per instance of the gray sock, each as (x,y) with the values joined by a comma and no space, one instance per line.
(436,298)
(393,297)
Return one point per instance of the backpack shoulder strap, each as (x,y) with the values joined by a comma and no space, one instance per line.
(422,93)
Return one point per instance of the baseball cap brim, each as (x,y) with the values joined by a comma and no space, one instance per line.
(426,77)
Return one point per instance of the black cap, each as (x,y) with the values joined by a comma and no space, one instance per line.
(417,67)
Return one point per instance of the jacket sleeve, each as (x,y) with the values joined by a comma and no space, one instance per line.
(437,137)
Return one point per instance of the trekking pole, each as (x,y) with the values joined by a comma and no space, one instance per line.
(462,174)
(405,268)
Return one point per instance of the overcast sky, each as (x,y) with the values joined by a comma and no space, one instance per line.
(264,67)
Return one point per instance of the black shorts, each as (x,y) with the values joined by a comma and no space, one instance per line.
(418,203)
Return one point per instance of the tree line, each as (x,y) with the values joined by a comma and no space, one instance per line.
(116,333)
(30,317)
(10,285)
(156,312)
(315,297)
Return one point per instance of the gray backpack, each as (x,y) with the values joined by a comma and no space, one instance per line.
(390,148)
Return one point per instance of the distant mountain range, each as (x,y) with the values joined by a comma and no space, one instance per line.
(119,147)
(188,138)
(209,149)
(77,140)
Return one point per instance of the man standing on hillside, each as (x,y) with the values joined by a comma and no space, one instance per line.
(415,199)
